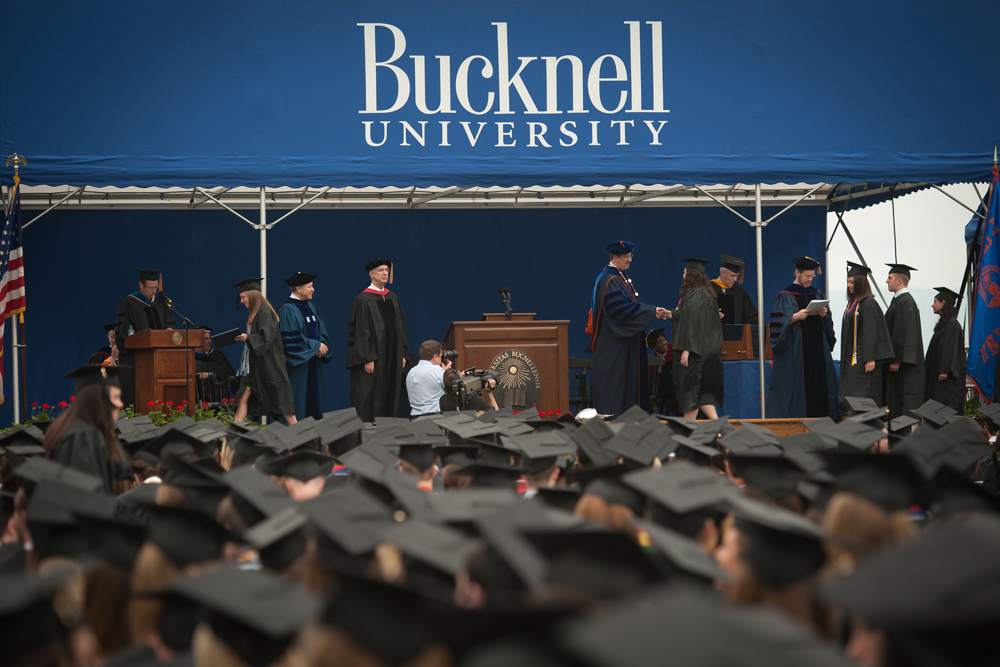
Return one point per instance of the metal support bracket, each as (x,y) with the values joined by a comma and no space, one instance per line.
(46,211)
(212,197)
(857,251)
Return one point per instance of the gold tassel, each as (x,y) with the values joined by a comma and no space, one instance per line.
(390,273)
(854,352)
(742,270)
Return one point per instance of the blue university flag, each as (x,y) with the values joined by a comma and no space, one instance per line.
(984,337)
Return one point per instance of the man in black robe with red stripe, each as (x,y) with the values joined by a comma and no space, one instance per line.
(377,346)
(618,342)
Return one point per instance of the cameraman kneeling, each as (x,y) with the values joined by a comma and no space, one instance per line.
(450,402)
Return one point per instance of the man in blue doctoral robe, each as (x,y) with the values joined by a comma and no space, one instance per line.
(803,378)
(306,345)
(618,342)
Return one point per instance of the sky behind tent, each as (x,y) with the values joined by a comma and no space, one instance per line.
(930,236)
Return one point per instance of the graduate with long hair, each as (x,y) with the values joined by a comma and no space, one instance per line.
(83,437)
(697,361)
(264,386)
(864,341)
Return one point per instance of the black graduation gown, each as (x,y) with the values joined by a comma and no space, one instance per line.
(946,356)
(735,303)
(904,389)
(621,366)
(270,391)
(698,330)
(376,332)
(83,448)
(136,312)
(872,344)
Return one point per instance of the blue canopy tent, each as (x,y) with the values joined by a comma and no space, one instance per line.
(445,104)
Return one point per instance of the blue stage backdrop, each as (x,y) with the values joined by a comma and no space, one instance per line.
(448,265)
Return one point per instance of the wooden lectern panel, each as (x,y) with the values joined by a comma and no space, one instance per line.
(163,372)
(518,348)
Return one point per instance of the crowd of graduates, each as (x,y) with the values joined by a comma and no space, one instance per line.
(498,538)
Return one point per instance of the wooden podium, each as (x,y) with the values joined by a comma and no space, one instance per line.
(160,369)
(739,342)
(530,356)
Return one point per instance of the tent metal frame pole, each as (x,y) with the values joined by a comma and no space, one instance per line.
(46,211)
(758,228)
(945,193)
(263,253)
(857,251)
(15,371)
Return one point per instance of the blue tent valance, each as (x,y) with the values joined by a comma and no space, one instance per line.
(447,92)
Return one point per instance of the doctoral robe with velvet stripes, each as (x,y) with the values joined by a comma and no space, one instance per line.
(621,370)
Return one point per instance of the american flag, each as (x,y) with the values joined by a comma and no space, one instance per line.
(11,270)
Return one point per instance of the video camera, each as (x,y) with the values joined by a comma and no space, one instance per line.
(449,354)
(471,383)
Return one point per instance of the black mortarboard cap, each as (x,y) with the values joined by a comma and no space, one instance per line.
(947,295)
(280,539)
(561,497)
(734,264)
(707,432)
(854,270)
(613,491)
(806,264)
(109,327)
(461,455)
(604,564)
(352,518)
(302,466)
(807,442)
(955,565)
(186,536)
(653,336)
(36,469)
(22,449)
(146,274)
(541,451)
(591,440)
(901,423)
(491,475)
(176,443)
(783,547)
(387,620)
(86,376)
(681,487)
(247,285)
(696,264)
(265,603)
(776,477)
(258,490)
(901,269)
(299,279)
(892,481)
(683,553)
(441,547)
(862,404)
(458,507)
(633,414)
(934,413)
(688,450)
(27,615)
(853,435)
(419,455)
(339,431)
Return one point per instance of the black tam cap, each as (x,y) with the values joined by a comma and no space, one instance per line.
(109,327)
(86,376)
(901,269)
(783,547)
(377,262)
(696,264)
(299,279)
(187,536)
(854,270)
(947,295)
(807,264)
(146,274)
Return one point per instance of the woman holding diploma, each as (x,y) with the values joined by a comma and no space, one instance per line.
(864,341)
(264,386)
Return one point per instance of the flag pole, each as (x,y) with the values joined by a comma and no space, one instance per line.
(19,341)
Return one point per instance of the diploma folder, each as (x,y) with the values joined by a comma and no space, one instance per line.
(225,338)
(816,304)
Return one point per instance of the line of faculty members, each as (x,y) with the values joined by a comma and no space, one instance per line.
(882,353)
